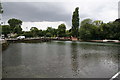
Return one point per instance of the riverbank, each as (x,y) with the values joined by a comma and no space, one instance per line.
(102,41)
(4,44)
(48,39)
(29,40)
(37,40)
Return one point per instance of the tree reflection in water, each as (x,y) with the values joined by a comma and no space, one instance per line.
(74,58)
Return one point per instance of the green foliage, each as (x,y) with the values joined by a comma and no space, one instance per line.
(51,32)
(5,30)
(17,30)
(75,22)
(15,25)
(14,22)
(98,22)
(104,31)
(88,32)
(114,30)
(86,21)
(62,30)
(44,33)
(98,30)
(48,34)
(40,33)
(55,32)
(68,33)
(34,31)
(27,34)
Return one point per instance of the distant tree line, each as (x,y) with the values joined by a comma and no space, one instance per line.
(50,32)
(97,30)
(86,30)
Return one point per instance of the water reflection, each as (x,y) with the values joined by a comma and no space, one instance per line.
(74,58)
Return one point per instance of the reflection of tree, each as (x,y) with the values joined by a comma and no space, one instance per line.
(74,57)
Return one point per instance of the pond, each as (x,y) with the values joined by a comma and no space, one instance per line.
(60,59)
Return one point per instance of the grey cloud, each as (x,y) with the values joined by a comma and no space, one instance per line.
(37,11)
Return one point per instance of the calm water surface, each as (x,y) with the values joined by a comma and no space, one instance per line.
(58,59)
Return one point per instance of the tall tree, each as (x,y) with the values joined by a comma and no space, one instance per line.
(75,22)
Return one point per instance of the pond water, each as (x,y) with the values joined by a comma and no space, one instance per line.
(60,59)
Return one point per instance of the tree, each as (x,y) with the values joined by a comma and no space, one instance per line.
(88,32)
(86,21)
(34,31)
(5,29)
(55,32)
(104,31)
(75,22)
(40,33)
(68,33)
(98,22)
(27,34)
(14,23)
(61,30)
(50,32)
(44,33)
(17,30)
(114,30)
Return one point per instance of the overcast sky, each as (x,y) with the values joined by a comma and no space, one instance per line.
(51,13)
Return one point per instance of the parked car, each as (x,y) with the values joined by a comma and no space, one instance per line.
(21,37)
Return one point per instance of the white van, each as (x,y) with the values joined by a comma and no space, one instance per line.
(21,37)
